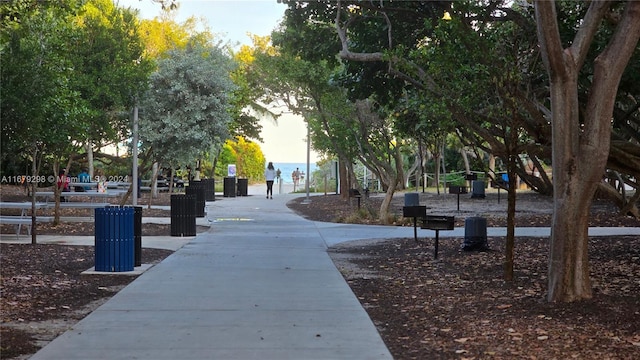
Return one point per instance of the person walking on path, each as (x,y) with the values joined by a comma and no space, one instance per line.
(270,175)
(295,176)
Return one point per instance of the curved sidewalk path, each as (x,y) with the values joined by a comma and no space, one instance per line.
(258,285)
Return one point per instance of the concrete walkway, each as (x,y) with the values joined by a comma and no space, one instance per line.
(258,285)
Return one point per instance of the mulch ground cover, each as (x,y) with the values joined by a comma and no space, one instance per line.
(455,307)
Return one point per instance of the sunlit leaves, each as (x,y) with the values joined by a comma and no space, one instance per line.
(185,111)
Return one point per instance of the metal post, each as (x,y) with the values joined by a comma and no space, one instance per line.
(307,200)
(134,151)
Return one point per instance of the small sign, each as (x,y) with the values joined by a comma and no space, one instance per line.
(102,187)
(231,170)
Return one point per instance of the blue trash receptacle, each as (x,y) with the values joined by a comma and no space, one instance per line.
(137,235)
(114,240)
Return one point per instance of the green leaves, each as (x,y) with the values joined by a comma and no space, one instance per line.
(186,107)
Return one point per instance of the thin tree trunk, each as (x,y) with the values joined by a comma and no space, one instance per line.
(34,172)
(437,174)
(89,149)
(511,222)
(154,180)
(386,202)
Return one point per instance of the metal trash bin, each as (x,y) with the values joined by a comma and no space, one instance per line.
(137,235)
(114,241)
(196,189)
(183,215)
(243,187)
(475,234)
(209,186)
(411,199)
(229,187)
(477,189)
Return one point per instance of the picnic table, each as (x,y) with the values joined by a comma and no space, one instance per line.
(93,195)
(23,218)
(24,206)
(94,185)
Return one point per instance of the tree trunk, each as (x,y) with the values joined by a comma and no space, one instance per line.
(575,177)
(465,159)
(343,175)
(437,173)
(580,151)
(154,180)
(511,222)
(89,149)
(444,167)
(492,168)
(386,203)
(34,172)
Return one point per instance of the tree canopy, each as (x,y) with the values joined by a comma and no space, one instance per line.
(186,110)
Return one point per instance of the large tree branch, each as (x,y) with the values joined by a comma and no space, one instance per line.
(608,69)
(549,38)
(588,29)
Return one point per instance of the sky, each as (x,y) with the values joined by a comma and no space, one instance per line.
(232,20)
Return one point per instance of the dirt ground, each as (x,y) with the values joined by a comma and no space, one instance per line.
(455,307)
(459,306)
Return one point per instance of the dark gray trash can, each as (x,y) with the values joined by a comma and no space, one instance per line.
(477,189)
(229,187)
(209,186)
(196,189)
(411,199)
(183,215)
(475,234)
(243,187)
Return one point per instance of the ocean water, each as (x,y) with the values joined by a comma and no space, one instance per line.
(288,168)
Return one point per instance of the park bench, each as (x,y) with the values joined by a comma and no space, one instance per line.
(83,205)
(20,220)
(148,188)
